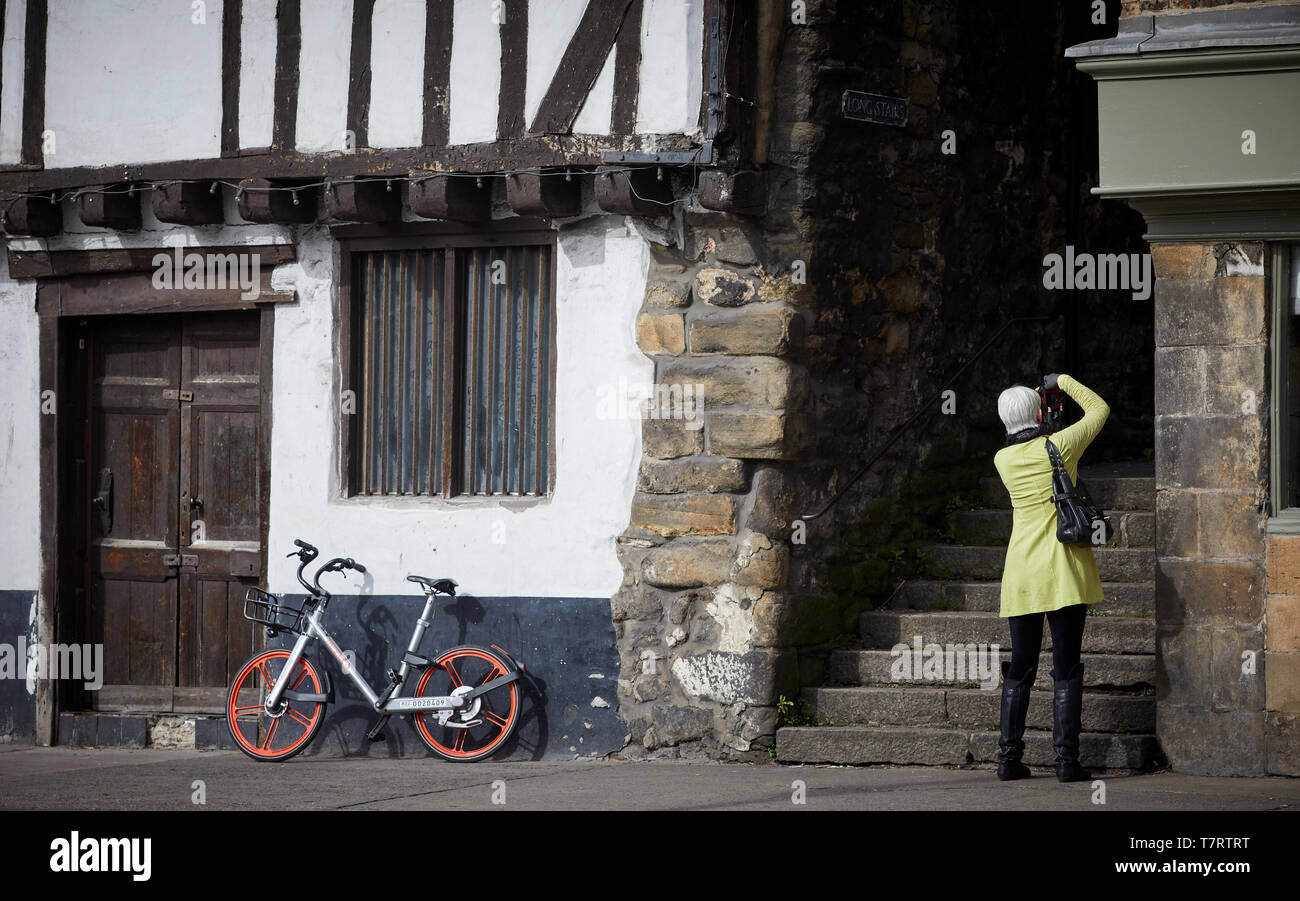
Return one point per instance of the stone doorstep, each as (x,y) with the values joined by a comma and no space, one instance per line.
(986,562)
(883,629)
(1109,492)
(862,668)
(991,526)
(1124,599)
(970,708)
(858,745)
(160,731)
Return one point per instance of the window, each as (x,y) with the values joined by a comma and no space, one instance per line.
(449,350)
(1285,377)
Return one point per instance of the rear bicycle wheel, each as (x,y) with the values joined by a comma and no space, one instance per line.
(273,735)
(456,672)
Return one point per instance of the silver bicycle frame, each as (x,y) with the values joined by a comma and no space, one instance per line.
(395,703)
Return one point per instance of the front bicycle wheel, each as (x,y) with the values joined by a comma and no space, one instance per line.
(457,672)
(280,734)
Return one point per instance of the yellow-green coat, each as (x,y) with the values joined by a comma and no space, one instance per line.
(1040,572)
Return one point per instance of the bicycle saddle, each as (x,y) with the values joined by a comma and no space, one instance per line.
(443,586)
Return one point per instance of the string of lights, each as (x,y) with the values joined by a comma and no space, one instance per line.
(568,173)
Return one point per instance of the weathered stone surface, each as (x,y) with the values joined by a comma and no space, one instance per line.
(1206,742)
(687,563)
(753,678)
(747,381)
(671,438)
(673,725)
(759,436)
(727,243)
(1210,311)
(1235,685)
(771,616)
(661,333)
(1231,524)
(1224,452)
(1208,593)
(1183,665)
(668,292)
(1282,736)
(1180,380)
(1183,260)
(760,562)
(775,504)
(685,514)
(776,330)
(1234,379)
(1283,617)
(1283,561)
(1282,678)
(1177,523)
(684,474)
(723,287)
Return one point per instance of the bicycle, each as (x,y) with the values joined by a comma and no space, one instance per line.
(276,704)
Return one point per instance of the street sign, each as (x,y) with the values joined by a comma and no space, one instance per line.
(875,108)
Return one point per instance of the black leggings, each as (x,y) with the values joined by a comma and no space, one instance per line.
(1027,639)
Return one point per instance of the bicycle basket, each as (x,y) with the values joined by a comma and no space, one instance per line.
(267,609)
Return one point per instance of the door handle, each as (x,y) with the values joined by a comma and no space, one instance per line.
(102,503)
(196,503)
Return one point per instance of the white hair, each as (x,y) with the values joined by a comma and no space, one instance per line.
(1018,406)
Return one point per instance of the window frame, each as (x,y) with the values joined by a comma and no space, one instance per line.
(1282,519)
(514,232)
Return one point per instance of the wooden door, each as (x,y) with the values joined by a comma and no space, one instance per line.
(176,419)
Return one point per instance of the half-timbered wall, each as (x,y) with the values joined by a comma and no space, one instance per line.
(138,81)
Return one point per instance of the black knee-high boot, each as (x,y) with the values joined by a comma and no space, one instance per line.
(1067,713)
(1015,704)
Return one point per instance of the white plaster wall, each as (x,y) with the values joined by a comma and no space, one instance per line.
(549,33)
(475,72)
(132,81)
(397,73)
(257,39)
(562,546)
(598,109)
(672,41)
(323,75)
(20,526)
(11,82)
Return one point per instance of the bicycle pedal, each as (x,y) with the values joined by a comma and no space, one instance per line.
(379,736)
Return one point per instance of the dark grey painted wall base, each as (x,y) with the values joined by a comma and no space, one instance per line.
(567,645)
(17,707)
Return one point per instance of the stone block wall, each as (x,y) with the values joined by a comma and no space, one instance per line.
(1212,678)
(699,619)
(1282,656)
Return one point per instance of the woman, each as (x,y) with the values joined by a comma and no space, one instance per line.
(1042,576)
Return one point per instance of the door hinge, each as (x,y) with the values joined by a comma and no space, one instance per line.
(181,560)
(177,394)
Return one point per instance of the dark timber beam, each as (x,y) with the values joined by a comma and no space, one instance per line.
(451,197)
(514,68)
(118,208)
(627,72)
(579,67)
(363,13)
(364,201)
(634,192)
(550,193)
(34,83)
(288,49)
(743,193)
(437,73)
(188,203)
(232,18)
(257,204)
(36,216)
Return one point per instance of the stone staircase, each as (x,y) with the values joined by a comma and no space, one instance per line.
(865,715)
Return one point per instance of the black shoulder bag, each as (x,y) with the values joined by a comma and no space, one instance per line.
(1076,515)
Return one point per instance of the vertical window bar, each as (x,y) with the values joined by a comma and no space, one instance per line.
(450,383)
(544,324)
(527,359)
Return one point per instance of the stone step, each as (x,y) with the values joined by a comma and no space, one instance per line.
(1120,598)
(969,708)
(1110,492)
(990,526)
(937,747)
(984,562)
(1124,671)
(883,629)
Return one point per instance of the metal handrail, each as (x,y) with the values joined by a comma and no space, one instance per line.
(898,433)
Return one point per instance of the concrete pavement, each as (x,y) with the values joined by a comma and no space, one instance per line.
(110,779)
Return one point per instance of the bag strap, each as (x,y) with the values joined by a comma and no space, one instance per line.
(1058,469)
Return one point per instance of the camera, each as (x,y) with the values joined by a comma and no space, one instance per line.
(1052,400)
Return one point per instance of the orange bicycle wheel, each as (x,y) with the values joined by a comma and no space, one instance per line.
(456,672)
(279,735)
